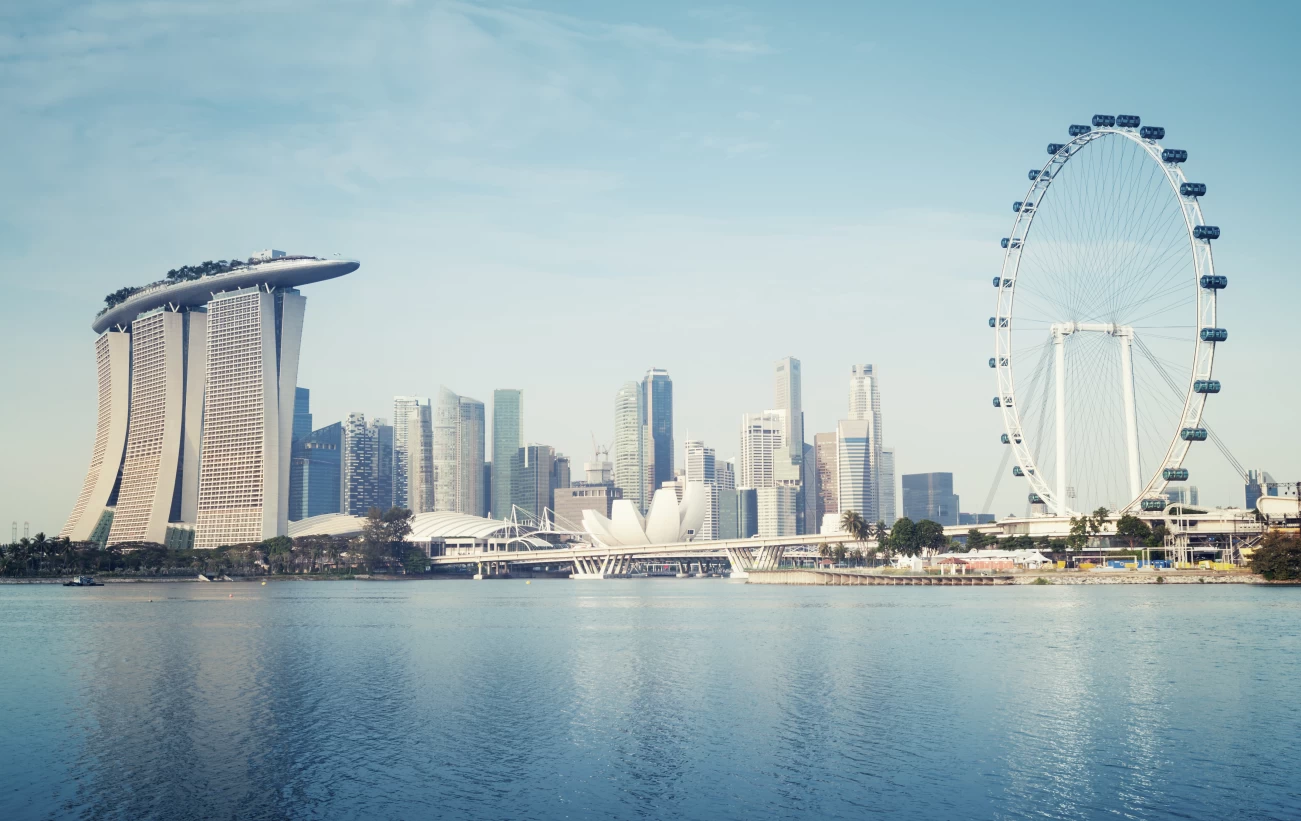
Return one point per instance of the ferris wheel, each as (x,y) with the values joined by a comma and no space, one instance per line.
(1105,326)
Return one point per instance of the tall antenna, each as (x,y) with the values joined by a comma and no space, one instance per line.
(27,530)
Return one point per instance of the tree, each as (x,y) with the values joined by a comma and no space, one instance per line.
(279,550)
(838,553)
(902,537)
(928,536)
(856,556)
(1079,537)
(384,534)
(415,560)
(1098,520)
(1134,529)
(975,541)
(1278,558)
(852,522)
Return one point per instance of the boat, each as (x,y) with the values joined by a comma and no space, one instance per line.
(83,581)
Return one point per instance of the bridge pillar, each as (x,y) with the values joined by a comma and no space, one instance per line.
(608,566)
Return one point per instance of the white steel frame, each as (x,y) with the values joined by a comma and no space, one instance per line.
(1203,354)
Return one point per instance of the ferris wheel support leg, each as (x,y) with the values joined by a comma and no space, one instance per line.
(1059,342)
(1131,413)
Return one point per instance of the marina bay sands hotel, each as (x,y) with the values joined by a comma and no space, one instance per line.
(196,401)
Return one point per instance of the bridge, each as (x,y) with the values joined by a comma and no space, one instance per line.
(598,562)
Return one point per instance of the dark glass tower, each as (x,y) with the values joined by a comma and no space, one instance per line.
(658,422)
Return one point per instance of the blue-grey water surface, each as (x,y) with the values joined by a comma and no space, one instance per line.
(697,699)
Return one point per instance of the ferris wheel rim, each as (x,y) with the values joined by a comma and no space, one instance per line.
(1003,321)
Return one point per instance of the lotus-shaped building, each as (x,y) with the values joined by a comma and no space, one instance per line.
(668,522)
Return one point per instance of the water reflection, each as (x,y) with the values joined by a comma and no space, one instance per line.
(636,699)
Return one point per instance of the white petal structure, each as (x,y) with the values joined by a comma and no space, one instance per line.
(668,521)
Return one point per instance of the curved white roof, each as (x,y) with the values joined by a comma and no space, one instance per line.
(283,273)
(425,527)
(327,524)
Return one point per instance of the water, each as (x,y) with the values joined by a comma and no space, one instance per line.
(692,699)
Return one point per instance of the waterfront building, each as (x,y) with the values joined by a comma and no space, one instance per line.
(658,422)
(630,474)
(855,489)
(930,496)
(507,438)
(865,406)
(419,458)
(302,413)
(828,481)
(160,464)
(888,511)
(975,518)
(403,409)
(531,471)
(360,485)
(315,473)
(208,448)
(487,487)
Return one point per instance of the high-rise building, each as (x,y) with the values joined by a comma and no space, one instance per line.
(630,474)
(447,476)
(930,496)
(761,439)
(747,512)
(658,406)
(302,413)
(418,461)
(403,408)
(855,488)
(560,472)
(469,458)
(315,472)
(787,396)
(383,463)
(507,438)
(865,405)
(889,510)
(196,409)
(776,508)
(702,468)
(828,480)
(160,465)
(360,486)
(1181,495)
(725,473)
(531,489)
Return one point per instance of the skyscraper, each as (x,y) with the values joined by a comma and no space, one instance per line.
(507,438)
(383,463)
(855,488)
(930,496)
(889,509)
(360,485)
(420,458)
(196,409)
(403,407)
(531,479)
(469,457)
(828,481)
(302,413)
(658,406)
(447,477)
(702,468)
(865,405)
(315,473)
(630,445)
(761,439)
(252,367)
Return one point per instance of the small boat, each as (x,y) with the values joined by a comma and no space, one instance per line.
(83,581)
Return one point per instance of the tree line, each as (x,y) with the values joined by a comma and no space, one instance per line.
(382,547)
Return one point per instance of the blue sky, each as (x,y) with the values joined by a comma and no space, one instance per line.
(557,197)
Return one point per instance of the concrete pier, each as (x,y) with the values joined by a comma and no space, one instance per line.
(843,577)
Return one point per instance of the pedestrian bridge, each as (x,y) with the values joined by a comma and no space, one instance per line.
(597,562)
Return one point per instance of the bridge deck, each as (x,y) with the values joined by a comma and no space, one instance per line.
(841,577)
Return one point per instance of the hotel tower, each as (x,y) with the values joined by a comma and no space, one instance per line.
(196,383)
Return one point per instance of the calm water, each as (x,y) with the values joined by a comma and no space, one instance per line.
(648,699)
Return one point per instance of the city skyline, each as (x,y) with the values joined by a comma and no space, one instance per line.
(770,173)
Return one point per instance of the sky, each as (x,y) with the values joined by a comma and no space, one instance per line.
(558,196)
